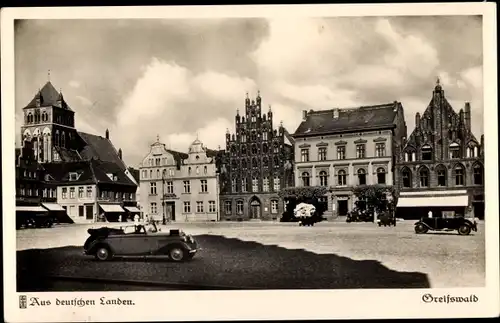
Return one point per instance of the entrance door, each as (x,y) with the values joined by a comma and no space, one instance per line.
(342,207)
(255,209)
(170,211)
(90,212)
(478,210)
(80,210)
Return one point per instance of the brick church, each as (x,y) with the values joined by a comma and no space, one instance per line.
(441,164)
(255,166)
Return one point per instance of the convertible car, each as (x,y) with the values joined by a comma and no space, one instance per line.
(463,225)
(139,240)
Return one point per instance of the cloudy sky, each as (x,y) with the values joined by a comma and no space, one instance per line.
(179,78)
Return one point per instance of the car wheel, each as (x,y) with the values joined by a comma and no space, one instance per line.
(177,254)
(102,253)
(420,228)
(464,230)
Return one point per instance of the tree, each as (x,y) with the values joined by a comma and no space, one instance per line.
(295,195)
(379,198)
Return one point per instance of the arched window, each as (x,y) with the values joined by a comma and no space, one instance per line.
(305,179)
(253,136)
(205,170)
(58,139)
(426,152)
(276,147)
(276,161)
(197,169)
(164,173)
(323,178)
(424,177)
(255,163)
(255,184)
(455,151)
(361,176)
(254,149)
(243,150)
(239,207)
(459,174)
(157,173)
(381,175)
(63,139)
(442,176)
(406,175)
(342,178)
(266,162)
(265,148)
(189,170)
(477,173)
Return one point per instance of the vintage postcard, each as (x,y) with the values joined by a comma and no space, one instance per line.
(250,162)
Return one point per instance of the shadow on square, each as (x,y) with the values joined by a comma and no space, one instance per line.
(224,263)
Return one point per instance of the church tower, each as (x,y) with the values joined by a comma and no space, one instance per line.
(49,123)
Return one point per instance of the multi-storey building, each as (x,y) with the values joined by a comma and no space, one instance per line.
(179,187)
(255,166)
(441,165)
(343,148)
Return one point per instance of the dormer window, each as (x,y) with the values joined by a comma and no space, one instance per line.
(73,176)
(112,176)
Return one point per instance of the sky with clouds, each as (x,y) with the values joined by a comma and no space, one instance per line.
(182,78)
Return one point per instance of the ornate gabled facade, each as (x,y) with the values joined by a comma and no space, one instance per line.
(179,187)
(255,166)
(442,156)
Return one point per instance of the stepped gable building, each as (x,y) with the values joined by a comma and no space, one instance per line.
(255,166)
(343,148)
(180,187)
(441,165)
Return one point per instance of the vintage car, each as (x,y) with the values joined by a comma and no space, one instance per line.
(140,240)
(463,225)
(386,220)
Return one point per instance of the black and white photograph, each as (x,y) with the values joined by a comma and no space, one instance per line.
(257,154)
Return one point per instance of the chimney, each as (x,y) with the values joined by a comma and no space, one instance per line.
(304,115)
(467,115)
(107,134)
(335,113)
(120,153)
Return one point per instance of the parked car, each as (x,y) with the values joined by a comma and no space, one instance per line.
(386,220)
(34,221)
(140,240)
(357,215)
(463,225)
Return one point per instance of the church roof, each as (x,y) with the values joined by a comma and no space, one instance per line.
(100,148)
(352,119)
(49,96)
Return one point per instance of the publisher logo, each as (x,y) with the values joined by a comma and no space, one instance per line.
(23,301)
(447,299)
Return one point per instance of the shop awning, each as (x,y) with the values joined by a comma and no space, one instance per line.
(53,207)
(434,201)
(111,208)
(132,209)
(30,209)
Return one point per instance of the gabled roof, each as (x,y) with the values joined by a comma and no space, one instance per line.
(102,168)
(49,96)
(100,148)
(60,172)
(352,119)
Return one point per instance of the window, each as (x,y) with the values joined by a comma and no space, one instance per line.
(277,150)
(197,169)
(424,177)
(304,155)
(152,189)
(341,152)
(361,176)
(164,174)
(244,163)
(80,192)
(380,150)
(265,148)
(381,175)
(277,184)
(406,175)
(233,185)
(322,153)
(187,207)
(189,170)
(459,175)
(441,176)
(53,192)
(64,192)
(477,174)
(72,193)
(264,136)
(323,178)
(244,185)
(117,195)
(276,162)
(44,192)
(187,187)
(144,174)
(255,185)
(211,207)
(205,170)
(151,173)
(360,151)
(265,184)
(254,119)
(158,173)
(228,207)
(239,207)
(89,191)
(73,176)
(342,178)
(426,152)
(274,206)
(265,162)
(454,151)
(171,172)
(204,186)
(63,195)
(255,163)
(243,138)
(305,179)
(157,160)
(254,149)
(170,187)
(199,206)
(153,209)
